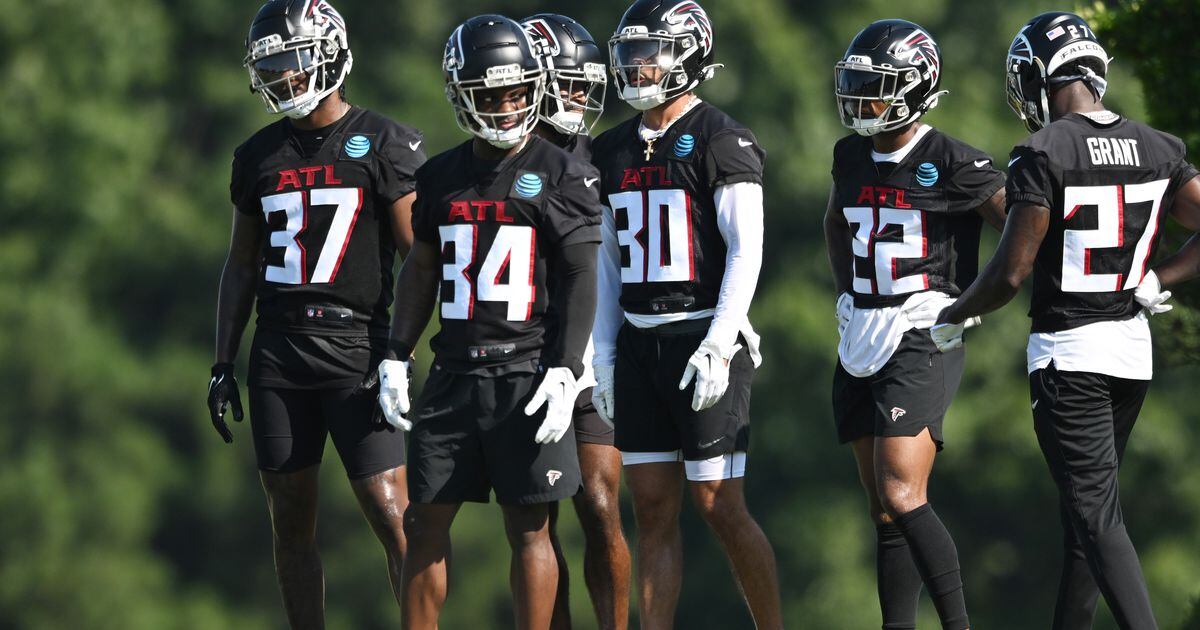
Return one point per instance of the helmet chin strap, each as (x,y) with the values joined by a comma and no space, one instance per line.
(302,111)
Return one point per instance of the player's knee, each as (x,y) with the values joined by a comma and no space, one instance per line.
(719,507)
(898,498)
(599,508)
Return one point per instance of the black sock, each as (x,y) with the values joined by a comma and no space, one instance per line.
(936,558)
(898,579)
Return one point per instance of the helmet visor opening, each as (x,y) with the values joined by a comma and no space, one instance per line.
(864,83)
(643,62)
(285,75)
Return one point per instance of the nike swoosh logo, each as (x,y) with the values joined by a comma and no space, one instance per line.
(712,442)
(744,143)
(981,163)
(414,145)
(588,181)
(1034,405)
(1013,161)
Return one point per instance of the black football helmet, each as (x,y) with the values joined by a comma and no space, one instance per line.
(1052,49)
(483,54)
(662,48)
(575,72)
(297,53)
(892,61)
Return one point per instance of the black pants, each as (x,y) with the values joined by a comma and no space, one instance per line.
(1083,421)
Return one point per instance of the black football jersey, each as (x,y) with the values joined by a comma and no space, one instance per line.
(672,251)
(1106,186)
(913,224)
(327,249)
(499,226)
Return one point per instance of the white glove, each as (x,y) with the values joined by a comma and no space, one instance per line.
(393,393)
(845,308)
(557,392)
(710,366)
(1150,296)
(947,337)
(602,393)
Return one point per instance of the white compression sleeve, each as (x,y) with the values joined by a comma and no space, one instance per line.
(740,220)
(609,315)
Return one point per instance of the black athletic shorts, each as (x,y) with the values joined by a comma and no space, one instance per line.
(654,416)
(470,435)
(303,387)
(589,427)
(912,391)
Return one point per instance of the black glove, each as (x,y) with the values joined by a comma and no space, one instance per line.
(370,387)
(222,393)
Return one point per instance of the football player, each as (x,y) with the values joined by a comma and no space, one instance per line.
(505,224)
(902,231)
(674,349)
(323,198)
(1088,192)
(576,77)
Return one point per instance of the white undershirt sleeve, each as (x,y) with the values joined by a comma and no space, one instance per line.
(609,315)
(740,220)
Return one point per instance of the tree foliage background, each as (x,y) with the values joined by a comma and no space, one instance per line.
(119,507)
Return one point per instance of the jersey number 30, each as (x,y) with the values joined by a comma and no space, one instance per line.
(658,234)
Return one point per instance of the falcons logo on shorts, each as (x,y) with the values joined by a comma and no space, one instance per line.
(897,412)
(553,476)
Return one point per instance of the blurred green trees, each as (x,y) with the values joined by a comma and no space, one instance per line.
(119,507)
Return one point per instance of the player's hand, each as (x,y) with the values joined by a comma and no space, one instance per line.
(393,393)
(844,309)
(947,336)
(709,365)
(603,398)
(1150,296)
(557,392)
(222,394)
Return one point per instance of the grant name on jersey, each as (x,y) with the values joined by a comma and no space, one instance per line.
(1113,152)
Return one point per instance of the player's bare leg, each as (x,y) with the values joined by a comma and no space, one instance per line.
(533,572)
(897,581)
(427,564)
(292,501)
(383,498)
(902,468)
(561,620)
(722,504)
(657,490)
(606,561)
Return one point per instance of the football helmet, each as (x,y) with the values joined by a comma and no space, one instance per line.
(576,76)
(662,48)
(894,63)
(486,57)
(297,53)
(1052,49)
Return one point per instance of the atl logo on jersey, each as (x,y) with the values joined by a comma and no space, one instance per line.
(307,177)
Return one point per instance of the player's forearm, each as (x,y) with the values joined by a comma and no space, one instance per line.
(1003,275)
(576,300)
(740,219)
(416,295)
(1182,266)
(609,314)
(235,299)
(841,258)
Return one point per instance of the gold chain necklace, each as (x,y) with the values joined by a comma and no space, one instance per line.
(694,101)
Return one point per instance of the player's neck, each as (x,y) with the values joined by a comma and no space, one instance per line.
(331,110)
(658,117)
(1073,98)
(892,141)
(555,136)
(485,151)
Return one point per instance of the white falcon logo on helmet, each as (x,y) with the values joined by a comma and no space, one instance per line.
(694,18)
